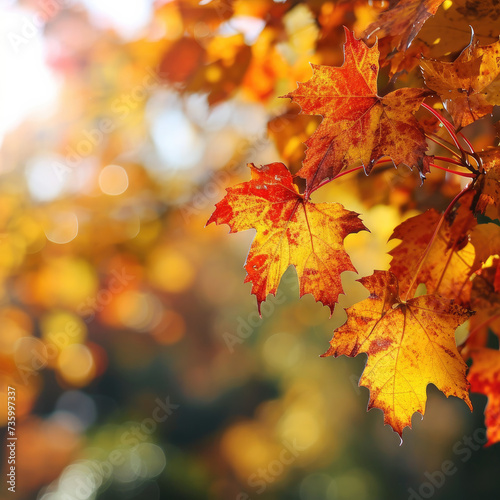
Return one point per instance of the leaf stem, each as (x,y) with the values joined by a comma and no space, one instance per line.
(449,160)
(344,172)
(469,145)
(472,153)
(455,136)
(463,174)
(433,237)
(328,180)
(434,139)
(447,125)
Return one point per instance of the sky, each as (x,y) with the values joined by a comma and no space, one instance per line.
(28,86)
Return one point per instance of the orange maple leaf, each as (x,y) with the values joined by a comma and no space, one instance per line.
(451,259)
(181,61)
(485,299)
(466,86)
(484,377)
(488,183)
(486,241)
(357,124)
(409,345)
(403,20)
(290,231)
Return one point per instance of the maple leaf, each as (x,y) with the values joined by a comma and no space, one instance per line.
(486,241)
(400,62)
(357,124)
(466,86)
(451,260)
(181,61)
(403,20)
(409,345)
(488,184)
(484,377)
(211,14)
(485,300)
(448,31)
(220,78)
(290,231)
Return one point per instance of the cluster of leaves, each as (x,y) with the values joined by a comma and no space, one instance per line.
(408,336)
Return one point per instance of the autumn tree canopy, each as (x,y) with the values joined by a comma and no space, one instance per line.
(417,116)
(354,149)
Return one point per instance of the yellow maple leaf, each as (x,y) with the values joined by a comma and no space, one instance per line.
(409,345)
(448,266)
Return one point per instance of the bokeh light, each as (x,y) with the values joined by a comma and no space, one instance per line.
(76,365)
(113,180)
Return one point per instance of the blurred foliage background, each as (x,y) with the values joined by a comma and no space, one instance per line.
(142,369)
